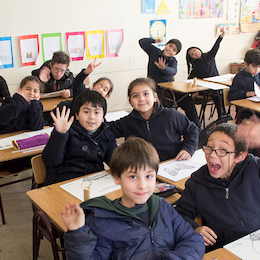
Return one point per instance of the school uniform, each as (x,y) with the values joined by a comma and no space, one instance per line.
(4,92)
(163,130)
(113,231)
(17,114)
(77,153)
(231,208)
(52,85)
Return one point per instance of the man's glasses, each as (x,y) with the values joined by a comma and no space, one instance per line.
(59,70)
(219,152)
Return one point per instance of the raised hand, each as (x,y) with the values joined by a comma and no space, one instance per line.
(222,32)
(45,74)
(73,216)
(161,64)
(91,67)
(62,124)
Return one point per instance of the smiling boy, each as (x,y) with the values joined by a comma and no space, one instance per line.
(139,225)
(80,147)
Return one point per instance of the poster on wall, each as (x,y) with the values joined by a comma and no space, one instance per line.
(148,6)
(158,31)
(186,9)
(163,8)
(216,8)
(6,53)
(95,44)
(115,40)
(232,9)
(51,42)
(29,49)
(201,9)
(250,15)
(76,45)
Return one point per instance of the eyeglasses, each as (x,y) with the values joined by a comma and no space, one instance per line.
(59,70)
(219,152)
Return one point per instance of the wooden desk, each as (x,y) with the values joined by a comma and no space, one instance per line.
(220,254)
(50,103)
(247,103)
(179,184)
(181,86)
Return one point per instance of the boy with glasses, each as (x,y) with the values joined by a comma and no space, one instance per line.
(224,192)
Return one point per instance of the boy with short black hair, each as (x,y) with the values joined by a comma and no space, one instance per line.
(80,147)
(56,75)
(225,192)
(139,225)
(243,83)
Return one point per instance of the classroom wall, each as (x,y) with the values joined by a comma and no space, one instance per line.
(51,16)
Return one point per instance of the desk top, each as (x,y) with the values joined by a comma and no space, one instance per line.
(181,86)
(50,103)
(220,254)
(247,103)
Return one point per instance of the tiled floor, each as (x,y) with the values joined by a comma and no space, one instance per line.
(16,234)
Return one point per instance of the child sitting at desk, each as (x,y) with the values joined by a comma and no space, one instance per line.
(162,66)
(202,65)
(163,127)
(23,111)
(225,192)
(80,147)
(243,83)
(139,225)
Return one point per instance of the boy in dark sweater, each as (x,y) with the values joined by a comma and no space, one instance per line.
(139,225)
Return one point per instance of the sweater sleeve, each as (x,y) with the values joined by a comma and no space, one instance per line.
(215,47)
(79,86)
(171,69)
(117,127)
(53,153)
(146,45)
(4,92)
(189,245)
(237,90)
(111,147)
(35,115)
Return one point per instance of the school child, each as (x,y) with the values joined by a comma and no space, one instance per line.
(23,111)
(4,92)
(55,74)
(162,66)
(202,65)
(80,147)
(163,127)
(225,191)
(139,225)
(243,83)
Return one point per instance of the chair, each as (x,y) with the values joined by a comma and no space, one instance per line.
(2,210)
(42,226)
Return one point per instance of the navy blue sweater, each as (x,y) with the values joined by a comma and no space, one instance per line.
(201,68)
(163,130)
(17,114)
(76,154)
(4,92)
(113,234)
(242,83)
(231,208)
(154,53)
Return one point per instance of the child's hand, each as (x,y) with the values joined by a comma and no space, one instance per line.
(249,130)
(73,216)
(161,64)
(65,93)
(222,32)
(208,234)
(158,40)
(45,74)
(250,94)
(182,155)
(91,67)
(62,125)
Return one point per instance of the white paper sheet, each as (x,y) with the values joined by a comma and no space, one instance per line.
(210,85)
(95,44)
(29,50)
(257,92)
(112,116)
(221,78)
(100,183)
(247,247)
(178,170)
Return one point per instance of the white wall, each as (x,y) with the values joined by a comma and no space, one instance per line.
(51,16)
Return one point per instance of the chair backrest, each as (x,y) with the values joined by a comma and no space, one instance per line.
(226,102)
(39,170)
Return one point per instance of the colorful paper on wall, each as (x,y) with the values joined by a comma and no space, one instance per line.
(216,8)
(51,42)
(201,9)
(148,6)
(76,45)
(163,8)
(29,49)
(115,40)
(186,9)
(232,9)
(235,30)
(6,53)
(95,44)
